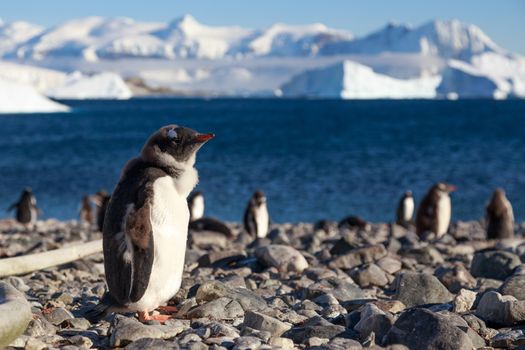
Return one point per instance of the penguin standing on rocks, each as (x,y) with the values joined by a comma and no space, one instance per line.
(26,209)
(256,217)
(500,217)
(146,225)
(405,209)
(86,212)
(435,211)
(196,205)
(101,200)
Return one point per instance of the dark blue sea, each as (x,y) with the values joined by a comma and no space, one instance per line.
(314,158)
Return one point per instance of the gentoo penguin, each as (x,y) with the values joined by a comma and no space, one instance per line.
(405,209)
(26,209)
(196,205)
(146,225)
(101,200)
(500,217)
(86,213)
(435,210)
(256,217)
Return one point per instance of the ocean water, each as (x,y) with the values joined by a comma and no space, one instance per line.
(314,158)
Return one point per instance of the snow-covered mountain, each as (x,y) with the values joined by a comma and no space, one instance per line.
(285,40)
(446,39)
(191,58)
(81,38)
(351,80)
(14,33)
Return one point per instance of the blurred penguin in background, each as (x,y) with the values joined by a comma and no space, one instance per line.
(26,209)
(101,200)
(435,211)
(500,217)
(405,210)
(256,217)
(198,222)
(86,212)
(196,205)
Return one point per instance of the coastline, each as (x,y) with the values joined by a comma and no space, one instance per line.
(333,288)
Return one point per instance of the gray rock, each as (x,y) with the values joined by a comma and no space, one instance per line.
(247,343)
(515,286)
(263,322)
(282,257)
(423,329)
(58,315)
(127,330)
(370,275)
(496,264)
(342,290)
(455,277)
(342,344)
(212,290)
(218,309)
(152,344)
(15,313)
(464,301)
(500,309)
(419,289)
(359,256)
(221,258)
(390,265)
(374,320)
(314,327)
(39,326)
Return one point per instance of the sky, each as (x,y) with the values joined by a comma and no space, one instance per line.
(502,20)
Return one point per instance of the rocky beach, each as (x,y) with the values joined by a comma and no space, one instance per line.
(316,286)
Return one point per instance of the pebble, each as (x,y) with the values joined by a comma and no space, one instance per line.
(284,258)
(375,287)
(415,289)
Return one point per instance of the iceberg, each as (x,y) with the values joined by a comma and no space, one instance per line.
(351,80)
(20,98)
(99,86)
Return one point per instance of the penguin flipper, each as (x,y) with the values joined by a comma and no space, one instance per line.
(12,207)
(128,241)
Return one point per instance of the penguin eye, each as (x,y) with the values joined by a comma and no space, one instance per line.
(172,134)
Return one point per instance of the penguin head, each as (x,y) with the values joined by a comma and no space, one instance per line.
(174,146)
(408,194)
(442,187)
(259,198)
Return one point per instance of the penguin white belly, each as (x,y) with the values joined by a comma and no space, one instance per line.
(197,211)
(262,220)
(444,212)
(169,220)
(408,209)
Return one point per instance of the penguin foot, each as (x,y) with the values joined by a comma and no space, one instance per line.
(144,316)
(168,308)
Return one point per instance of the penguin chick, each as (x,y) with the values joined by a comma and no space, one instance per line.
(405,209)
(256,217)
(500,217)
(146,225)
(435,211)
(26,209)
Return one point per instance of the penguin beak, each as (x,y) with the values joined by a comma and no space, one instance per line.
(203,137)
(452,188)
